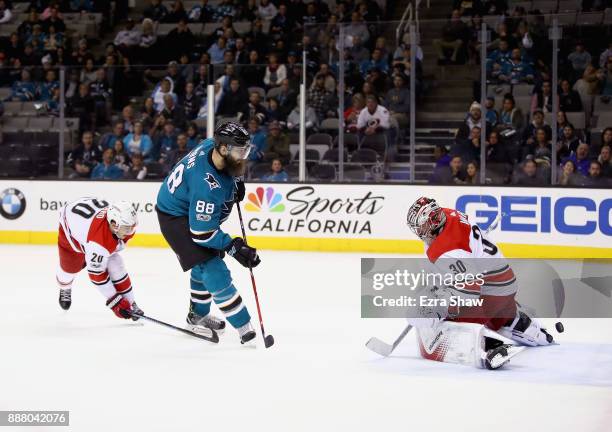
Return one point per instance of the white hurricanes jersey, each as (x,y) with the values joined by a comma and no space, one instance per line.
(462,247)
(88,232)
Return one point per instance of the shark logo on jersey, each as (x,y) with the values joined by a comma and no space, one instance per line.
(212,181)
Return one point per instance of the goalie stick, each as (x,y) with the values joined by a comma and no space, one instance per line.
(384,349)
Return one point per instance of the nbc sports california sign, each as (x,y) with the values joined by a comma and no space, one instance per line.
(309,211)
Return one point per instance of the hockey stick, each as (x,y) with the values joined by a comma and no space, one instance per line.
(214,338)
(384,349)
(268,340)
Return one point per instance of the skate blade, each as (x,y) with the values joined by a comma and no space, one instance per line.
(203,331)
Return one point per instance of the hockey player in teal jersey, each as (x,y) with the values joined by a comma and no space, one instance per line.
(193,201)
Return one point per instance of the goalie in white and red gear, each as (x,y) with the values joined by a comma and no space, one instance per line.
(91,235)
(454,245)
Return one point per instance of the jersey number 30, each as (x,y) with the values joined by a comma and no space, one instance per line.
(175,178)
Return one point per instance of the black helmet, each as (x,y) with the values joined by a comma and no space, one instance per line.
(231,134)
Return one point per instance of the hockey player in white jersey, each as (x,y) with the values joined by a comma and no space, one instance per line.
(455,246)
(91,235)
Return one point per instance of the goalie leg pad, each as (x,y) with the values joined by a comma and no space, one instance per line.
(460,343)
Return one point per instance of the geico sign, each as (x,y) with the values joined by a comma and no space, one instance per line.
(541,213)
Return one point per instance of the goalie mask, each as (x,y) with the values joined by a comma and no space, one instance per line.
(426,218)
(122,219)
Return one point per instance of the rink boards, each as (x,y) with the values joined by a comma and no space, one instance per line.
(530,222)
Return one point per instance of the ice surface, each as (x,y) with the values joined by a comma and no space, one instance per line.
(122,376)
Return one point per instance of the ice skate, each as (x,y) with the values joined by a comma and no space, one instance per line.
(65,298)
(246,333)
(196,322)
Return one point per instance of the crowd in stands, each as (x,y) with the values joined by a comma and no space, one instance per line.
(148,88)
(519,102)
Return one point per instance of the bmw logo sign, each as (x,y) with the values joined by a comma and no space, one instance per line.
(12,203)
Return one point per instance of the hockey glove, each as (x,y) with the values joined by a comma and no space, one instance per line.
(243,253)
(120,306)
(240,191)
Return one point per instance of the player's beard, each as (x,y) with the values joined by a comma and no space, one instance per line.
(235,167)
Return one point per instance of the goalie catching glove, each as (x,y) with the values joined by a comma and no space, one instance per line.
(243,253)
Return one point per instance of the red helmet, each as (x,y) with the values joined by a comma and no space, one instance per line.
(426,218)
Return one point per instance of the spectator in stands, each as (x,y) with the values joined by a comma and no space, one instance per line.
(453,37)
(165,141)
(606,137)
(374,118)
(277,172)
(101,93)
(472,176)
(516,70)
(190,102)
(193,136)
(542,99)
(468,148)
(107,170)
(217,50)
(82,106)
(510,117)
(122,159)
(351,114)
(567,174)
(247,12)
(26,27)
(277,144)
(233,100)
(258,141)
(441,156)
(357,29)
(569,100)
(172,113)
(85,157)
(156,11)
(605,55)
(54,20)
(254,109)
(537,122)
(281,24)
(581,158)
(223,9)
(595,179)
(541,146)
(496,151)
(138,171)
(177,13)
(286,98)
(267,10)
(52,40)
(376,61)
(47,88)
(139,142)
(274,112)
(528,175)
(148,39)
(176,154)
(497,58)
(579,59)
(181,40)
(605,76)
(567,143)
(201,12)
(88,73)
(164,88)
(491,115)
(451,174)
(472,120)
(605,160)
(24,89)
(275,72)
(108,139)
(398,102)
(318,97)
(128,39)
(81,54)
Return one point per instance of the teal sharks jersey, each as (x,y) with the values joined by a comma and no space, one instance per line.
(195,188)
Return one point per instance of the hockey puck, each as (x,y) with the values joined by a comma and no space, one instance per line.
(559,327)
